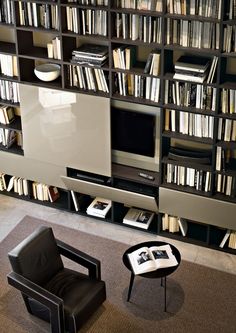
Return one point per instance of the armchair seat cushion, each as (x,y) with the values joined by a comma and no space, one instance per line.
(81,296)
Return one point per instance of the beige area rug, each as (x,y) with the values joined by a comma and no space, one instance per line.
(199,299)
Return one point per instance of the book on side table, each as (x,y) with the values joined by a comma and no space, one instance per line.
(149,259)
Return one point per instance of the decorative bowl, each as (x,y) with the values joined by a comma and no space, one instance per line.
(47,72)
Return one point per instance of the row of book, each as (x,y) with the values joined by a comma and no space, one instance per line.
(226,130)
(6,11)
(86,21)
(88,78)
(229,40)
(90,2)
(7,114)
(23,186)
(200,180)
(16,184)
(9,91)
(153,63)
(195,69)
(226,185)
(8,65)
(138,27)
(138,86)
(229,239)
(174,224)
(206,8)
(225,159)
(124,57)
(38,15)
(54,48)
(198,34)
(228,101)
(191,124)
(230,9)
(190,95)
(153,5)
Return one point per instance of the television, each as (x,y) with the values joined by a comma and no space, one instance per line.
(134,138)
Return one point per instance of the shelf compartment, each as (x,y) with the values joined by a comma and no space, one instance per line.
(198,208)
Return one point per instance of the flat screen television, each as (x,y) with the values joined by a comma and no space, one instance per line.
(133,132)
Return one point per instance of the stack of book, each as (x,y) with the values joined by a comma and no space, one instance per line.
(174,224)
(192,68)
(138,218)
(90,54)
(99,207)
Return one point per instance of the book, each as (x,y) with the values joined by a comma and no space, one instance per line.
(150,259)
(99,207)
(193,63)
(225,238)
(53,193)
(138,218)
(183,225)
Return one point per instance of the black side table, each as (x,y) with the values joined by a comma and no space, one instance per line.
(158,273)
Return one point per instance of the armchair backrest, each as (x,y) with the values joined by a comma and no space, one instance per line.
(37,257)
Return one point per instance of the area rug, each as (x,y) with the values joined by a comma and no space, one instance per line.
(199,299)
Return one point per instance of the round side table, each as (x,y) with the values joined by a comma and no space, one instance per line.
(158,273)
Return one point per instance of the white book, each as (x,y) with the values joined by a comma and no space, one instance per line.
(138,218)
(183,225)
(225,238)
(149,259)
(99,207)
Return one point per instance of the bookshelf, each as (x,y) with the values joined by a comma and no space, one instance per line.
(144,40)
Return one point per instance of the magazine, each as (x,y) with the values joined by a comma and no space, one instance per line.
(99,207)
(138,218)
(149,259)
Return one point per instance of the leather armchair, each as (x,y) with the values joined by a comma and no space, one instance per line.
(64,297)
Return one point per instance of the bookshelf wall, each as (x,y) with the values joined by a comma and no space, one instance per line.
(193,116)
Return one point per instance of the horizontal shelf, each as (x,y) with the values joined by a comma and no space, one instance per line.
(195,50)
(186,163)
(189,109)
(38,29)
(169,134)
(185,189)
(136,100)
(192,18)
(8,103)
(136,11)
(68,33)
(226,144)
(74,4)
(135,42)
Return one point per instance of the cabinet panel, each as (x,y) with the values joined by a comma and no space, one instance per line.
(198,208)
(20,166)
(118,195)
(66,129)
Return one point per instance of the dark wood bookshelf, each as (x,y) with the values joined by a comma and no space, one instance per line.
(124,176)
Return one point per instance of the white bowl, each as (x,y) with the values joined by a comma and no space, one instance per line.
(47,72)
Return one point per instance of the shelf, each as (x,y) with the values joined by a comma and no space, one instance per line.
(14,125)
(7,48)
(187,137)
(13,149)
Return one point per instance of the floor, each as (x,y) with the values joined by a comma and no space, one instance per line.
(13,210)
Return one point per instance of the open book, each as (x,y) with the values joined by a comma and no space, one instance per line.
(149,259)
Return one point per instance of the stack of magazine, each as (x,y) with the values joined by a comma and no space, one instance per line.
(192,68)
(99,207)
(90,54)
(150,259)
(138,218)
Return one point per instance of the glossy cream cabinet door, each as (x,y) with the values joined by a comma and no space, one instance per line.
(66,129)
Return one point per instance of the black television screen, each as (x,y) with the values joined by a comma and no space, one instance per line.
(133,132)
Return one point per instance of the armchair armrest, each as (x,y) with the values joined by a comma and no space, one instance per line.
(51,301)
(93,264)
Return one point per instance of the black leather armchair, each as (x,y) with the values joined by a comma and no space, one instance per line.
(64,297)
